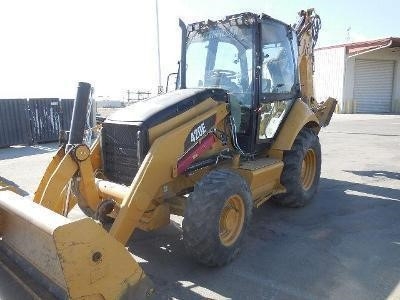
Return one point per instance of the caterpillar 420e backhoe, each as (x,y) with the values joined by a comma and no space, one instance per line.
(241,128)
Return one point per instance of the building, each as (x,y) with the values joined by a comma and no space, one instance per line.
(107,103)
(364,77)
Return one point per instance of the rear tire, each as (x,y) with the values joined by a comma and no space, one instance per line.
(216,217)
(301,171)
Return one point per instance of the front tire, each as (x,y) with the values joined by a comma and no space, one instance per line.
(216,217)
(301,171)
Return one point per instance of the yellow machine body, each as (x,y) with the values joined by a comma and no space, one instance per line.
(80,257)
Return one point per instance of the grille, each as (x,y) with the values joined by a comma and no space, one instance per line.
(120,152)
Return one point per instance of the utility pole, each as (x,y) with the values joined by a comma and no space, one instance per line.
(348,34)
(160,87)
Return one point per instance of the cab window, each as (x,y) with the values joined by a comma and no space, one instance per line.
(277,59)
(277,85)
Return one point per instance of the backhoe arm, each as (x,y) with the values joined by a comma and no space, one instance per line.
(307,29)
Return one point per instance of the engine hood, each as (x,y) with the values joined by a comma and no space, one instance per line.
(155,110)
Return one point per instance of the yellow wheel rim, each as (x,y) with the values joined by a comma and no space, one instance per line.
(231,220)
(308,169)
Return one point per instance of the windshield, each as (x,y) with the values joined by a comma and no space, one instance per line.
(220,56)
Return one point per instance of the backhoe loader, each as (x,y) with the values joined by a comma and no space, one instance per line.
(240,129)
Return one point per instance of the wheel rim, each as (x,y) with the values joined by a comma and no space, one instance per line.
(231,220)
(308,169)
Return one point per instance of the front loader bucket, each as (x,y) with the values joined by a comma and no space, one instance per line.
(74,259)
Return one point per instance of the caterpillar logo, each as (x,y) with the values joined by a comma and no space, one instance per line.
(199,130)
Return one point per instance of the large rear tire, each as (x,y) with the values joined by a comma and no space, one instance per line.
(216,217)
(301,171)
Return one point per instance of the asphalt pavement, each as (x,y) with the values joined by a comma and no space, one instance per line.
(344,245)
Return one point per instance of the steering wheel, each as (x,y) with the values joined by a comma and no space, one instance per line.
(224,79)
(222,72)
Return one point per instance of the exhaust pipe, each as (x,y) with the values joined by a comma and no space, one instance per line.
(79,111)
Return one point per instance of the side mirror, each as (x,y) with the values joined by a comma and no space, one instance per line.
(172,80)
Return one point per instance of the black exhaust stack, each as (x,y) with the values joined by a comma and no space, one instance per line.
(79,112)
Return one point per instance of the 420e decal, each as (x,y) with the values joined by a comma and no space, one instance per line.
(199,130)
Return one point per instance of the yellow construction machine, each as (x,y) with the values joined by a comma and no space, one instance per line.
(241,128)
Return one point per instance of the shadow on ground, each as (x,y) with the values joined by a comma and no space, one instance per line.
(15,187)
(376,174)
(341,246)
(20,151)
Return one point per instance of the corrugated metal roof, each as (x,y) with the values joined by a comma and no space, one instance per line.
(358,47)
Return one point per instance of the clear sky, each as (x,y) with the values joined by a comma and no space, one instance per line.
(47,46)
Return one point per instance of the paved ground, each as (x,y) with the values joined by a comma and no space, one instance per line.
(344,245)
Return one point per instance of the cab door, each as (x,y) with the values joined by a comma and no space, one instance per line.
(278,81)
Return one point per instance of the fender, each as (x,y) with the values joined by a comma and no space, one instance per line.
(299,116)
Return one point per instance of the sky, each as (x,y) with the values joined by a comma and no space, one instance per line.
(48,46)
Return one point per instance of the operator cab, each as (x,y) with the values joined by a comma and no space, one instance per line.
(252,57)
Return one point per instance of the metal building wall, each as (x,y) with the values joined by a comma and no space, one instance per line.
(66,106)
(14,122)
(373,86)
(45,119)
(329,74)
(388,54)
(37,120)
